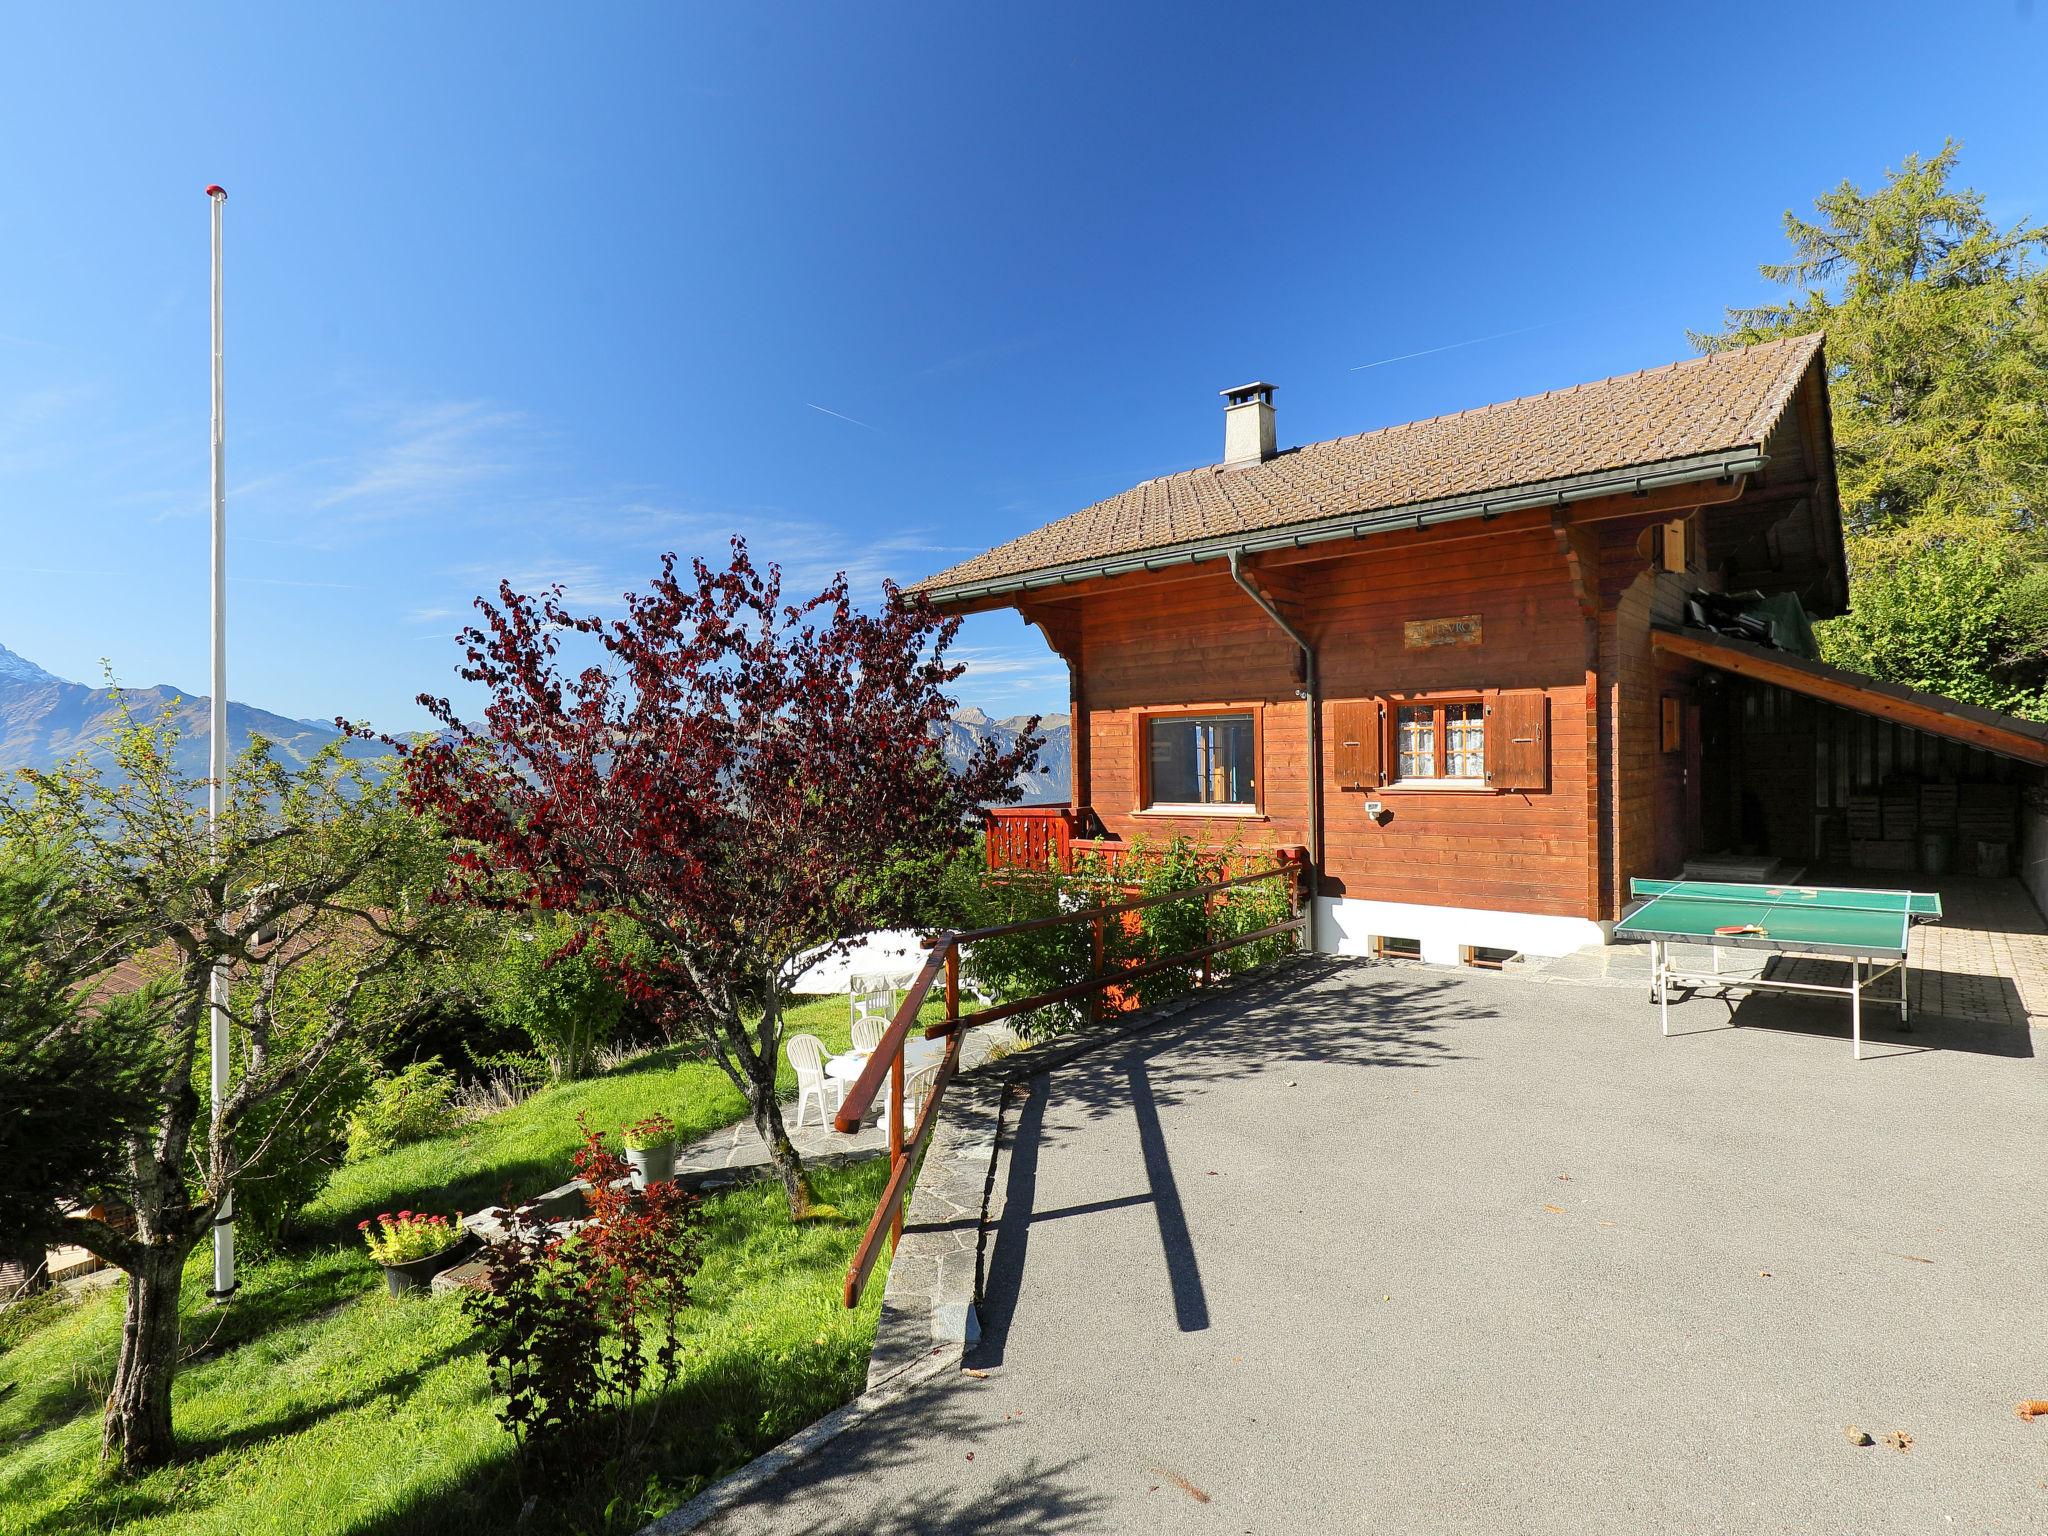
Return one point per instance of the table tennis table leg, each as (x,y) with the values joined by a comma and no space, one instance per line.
(1662,981)
(1856,1008)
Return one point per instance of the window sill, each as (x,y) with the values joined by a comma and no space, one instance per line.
(1435,787)
(1234,812)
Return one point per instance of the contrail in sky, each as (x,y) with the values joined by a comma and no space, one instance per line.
(841,415)
(1453,346)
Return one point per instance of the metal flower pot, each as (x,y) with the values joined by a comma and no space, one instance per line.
(651,1164)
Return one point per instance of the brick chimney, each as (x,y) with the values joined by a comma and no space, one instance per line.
(1247,425)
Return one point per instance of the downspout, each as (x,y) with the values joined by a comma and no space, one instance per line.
(1311,693)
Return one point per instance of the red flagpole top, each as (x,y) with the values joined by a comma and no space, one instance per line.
(216,191)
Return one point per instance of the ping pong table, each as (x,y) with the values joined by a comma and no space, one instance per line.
(1867,928)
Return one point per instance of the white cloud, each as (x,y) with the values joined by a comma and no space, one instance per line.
(430,453)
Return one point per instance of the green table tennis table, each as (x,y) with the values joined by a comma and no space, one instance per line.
(1867,928)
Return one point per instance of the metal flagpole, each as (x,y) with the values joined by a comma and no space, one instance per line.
(217,761)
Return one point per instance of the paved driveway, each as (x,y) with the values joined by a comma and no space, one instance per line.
(1408,1250)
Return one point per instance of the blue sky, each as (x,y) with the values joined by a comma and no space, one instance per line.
(541,292)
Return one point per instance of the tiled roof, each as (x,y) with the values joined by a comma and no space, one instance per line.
(1720,402)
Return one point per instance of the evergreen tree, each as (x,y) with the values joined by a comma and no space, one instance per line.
(1937,348)
(74,1072)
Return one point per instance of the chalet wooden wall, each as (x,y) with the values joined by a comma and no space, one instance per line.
(1193,640)
(1565,603)
(1521,851)
(1200,640)
(1647,830)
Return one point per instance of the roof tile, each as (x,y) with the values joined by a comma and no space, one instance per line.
(1722,401)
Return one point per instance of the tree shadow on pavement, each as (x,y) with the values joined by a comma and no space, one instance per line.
(909,1469)
(1362,1016)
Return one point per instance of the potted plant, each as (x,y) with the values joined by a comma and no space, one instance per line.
(413,1247)
(650,1149)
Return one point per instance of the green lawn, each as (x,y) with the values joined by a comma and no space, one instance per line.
(523,1150)
(326,1407)
(315,1404)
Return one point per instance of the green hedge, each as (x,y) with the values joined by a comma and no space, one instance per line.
(1024,965)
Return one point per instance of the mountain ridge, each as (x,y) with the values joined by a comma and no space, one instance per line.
(45,719)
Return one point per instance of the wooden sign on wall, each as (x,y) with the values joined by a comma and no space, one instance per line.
(1420,634)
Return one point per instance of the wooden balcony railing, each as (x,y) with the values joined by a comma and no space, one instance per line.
(1032,837)
(887,1059)
(1038,839)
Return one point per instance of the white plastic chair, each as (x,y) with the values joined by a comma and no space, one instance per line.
(867,1034)
(916,1089)
(807,1055)
(872,997)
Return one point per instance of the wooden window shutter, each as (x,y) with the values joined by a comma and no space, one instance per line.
(1675,555)
(1355,734)
(1517,738)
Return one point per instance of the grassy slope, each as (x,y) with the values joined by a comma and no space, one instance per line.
(320,1406)
(346,1412)
(525,1149)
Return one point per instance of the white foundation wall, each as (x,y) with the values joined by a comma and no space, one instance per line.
(1347,926)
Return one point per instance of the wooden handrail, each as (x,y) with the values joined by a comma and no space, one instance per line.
(946,948)
(949,1026)
(854,1107)
(1136,904)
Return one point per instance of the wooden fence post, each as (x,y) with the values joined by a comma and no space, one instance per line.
(896,1136)
(1095,975)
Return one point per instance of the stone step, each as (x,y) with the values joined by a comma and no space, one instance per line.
(473,1276)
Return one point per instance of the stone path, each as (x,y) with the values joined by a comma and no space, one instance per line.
(730,1155)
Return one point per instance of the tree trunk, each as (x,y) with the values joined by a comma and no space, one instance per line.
(789,1167)
(138,1425)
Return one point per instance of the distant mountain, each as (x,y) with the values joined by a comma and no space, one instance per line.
(44,719)
(1050,782)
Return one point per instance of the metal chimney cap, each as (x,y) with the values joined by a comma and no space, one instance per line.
(1246,394)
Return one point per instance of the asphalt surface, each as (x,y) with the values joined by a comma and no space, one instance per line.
(1408,1250)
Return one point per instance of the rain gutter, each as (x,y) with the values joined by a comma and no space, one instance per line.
(1312,710)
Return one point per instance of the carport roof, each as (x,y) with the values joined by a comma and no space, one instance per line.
(2007,735)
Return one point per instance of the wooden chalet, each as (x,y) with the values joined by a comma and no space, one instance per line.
(1450,661)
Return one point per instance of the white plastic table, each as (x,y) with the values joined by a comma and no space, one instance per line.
(918,1053)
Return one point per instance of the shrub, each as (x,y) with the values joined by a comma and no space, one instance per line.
(1246,909)
(559,995)
(409,1235)
(1173,927)
(1952,604)
(406,1107)
(1025,964)
(580,1330)
(296,1139)
(927,890)
(654,1131)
